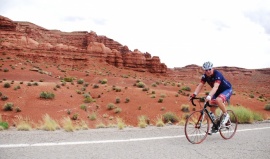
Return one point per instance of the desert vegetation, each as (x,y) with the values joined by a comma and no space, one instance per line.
(49,96)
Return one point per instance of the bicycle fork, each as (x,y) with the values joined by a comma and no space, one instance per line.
(199,122)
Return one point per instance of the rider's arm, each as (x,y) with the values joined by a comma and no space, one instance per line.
(198,89)
(214,89)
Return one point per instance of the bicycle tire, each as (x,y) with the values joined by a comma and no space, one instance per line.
(230,128)
(196,133)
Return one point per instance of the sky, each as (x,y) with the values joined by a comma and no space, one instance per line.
(233,33)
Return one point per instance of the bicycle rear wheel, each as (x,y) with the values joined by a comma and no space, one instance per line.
(228,131)
(196,127)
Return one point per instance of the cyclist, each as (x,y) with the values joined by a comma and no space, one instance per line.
(220,93)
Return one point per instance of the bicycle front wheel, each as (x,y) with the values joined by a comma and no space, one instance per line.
(228,131)
(196,127)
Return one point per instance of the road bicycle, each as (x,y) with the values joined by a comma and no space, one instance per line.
(197,123)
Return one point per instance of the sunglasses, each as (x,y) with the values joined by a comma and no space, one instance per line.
(208,70)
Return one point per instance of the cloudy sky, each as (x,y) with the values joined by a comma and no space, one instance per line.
(180,32)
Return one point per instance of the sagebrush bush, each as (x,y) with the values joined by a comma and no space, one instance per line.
(104,81)
(92,116)
(8,107)
(7,85)
(117,110)
(267,107)
(140,85)
(80,81)
(184,108)
(170,117)
(110,106)
(4,125)
(46,95)
(186,88)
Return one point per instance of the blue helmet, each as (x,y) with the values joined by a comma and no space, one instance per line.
(207,65)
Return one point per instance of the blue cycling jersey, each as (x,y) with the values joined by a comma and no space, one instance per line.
(219,78)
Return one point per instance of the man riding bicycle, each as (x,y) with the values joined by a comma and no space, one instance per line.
(220,93)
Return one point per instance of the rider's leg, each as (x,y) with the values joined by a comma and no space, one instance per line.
(221,105)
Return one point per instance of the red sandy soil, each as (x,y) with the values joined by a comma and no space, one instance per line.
(66,97)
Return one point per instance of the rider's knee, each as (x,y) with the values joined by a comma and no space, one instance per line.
(219,100)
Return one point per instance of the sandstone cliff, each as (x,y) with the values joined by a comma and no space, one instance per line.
(32,41)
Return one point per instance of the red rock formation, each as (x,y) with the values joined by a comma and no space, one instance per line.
(25,35)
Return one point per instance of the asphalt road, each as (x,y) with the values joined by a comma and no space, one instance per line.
(251,141)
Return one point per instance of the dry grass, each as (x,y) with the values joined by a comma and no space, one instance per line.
(49,124)
(23,124)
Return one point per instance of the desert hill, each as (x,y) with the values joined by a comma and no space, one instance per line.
(36,60)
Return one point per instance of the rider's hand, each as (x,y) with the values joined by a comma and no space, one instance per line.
(208,98)
(192,96)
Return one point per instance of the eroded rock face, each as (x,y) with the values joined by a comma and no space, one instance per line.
(40,41)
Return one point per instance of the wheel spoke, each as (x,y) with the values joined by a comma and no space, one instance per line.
(196,128)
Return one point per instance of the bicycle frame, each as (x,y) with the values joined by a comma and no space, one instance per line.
(206,104)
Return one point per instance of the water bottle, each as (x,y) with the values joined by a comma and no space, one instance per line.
(212,116)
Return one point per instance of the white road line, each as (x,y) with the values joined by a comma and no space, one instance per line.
(105,141)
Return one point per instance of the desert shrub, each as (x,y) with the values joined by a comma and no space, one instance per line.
(75,116)
(104,81)
(89,99)
(163,95)
(8,107)
(6,85)
(83,107)
(17,87)
(86,84)
(117,110)
(117,100)
(4,98)
(92,116)
(160,100)
(154,85)
(95,86)
(140,85)
(46,95)
(184,108)
(3,125)
(80,81)
(117,89)
(267,107)
(6,69)
(170,117)
(145,89)
(127,100)
(186,88)
(110,106)
(18,109)
(68,79)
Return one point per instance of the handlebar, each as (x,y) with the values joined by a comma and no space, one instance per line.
(200,98)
